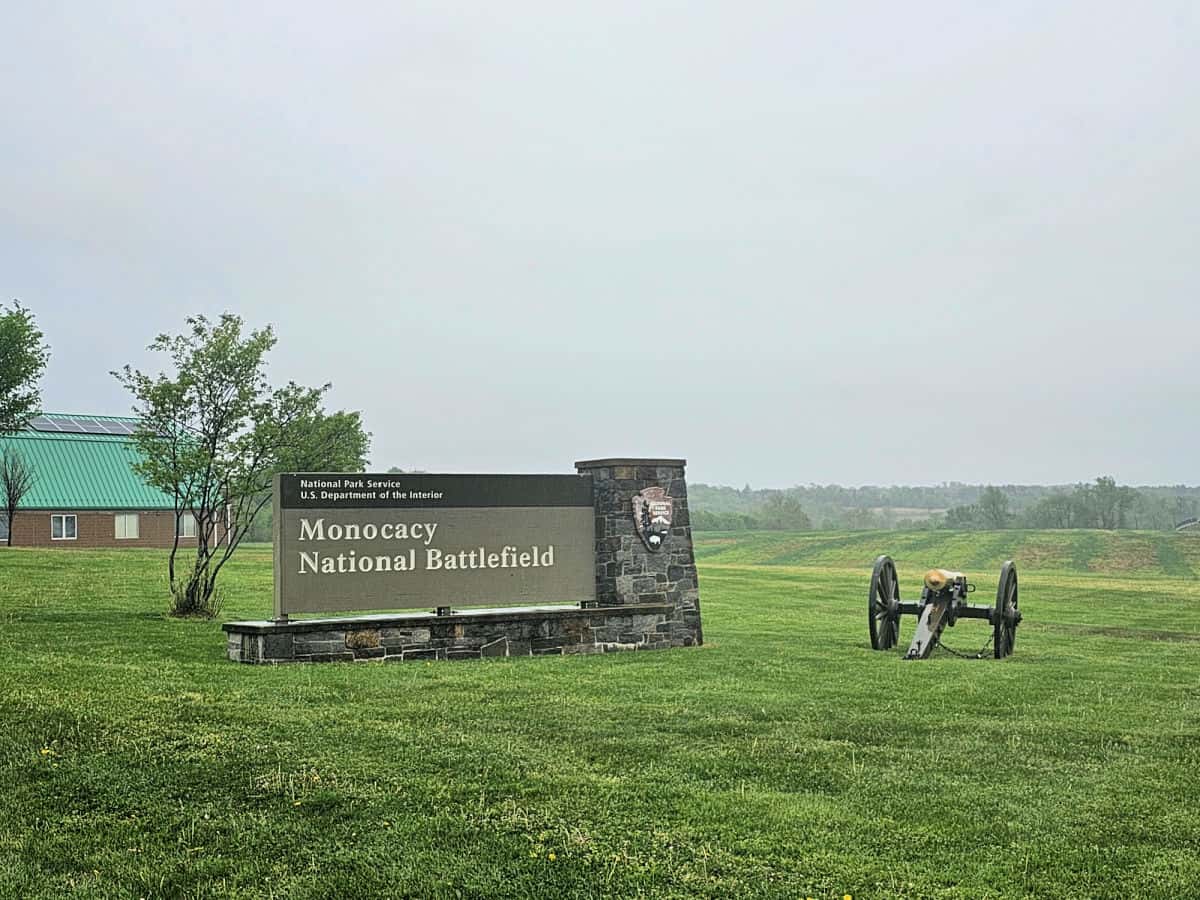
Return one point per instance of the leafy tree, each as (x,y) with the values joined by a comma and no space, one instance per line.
(328,442)
(709,521)
(16,480)
(1150,511)
(1058,510)
(23,356)
(783,512)
(342,446)
(992,508)
(214,432)
(1184,508)
(963,518)
(1110,502)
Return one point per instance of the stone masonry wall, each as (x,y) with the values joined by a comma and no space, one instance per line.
(467,635)
(626,570)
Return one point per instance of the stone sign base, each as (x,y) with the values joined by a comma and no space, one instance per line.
(471,634)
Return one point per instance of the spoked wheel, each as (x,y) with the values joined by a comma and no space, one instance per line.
(1007,615)
(883,605)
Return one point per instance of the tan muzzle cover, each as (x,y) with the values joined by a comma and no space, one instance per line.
(940,579)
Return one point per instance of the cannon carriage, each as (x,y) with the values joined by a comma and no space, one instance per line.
(943,602)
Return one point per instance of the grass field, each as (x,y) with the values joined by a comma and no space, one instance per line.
(782,759)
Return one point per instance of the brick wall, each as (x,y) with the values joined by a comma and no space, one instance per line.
(96,528)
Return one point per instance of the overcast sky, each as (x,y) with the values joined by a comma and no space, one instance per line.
(792,242)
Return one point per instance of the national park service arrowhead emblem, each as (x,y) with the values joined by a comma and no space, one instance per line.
(652,510)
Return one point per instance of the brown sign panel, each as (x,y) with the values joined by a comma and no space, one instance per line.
(357,542)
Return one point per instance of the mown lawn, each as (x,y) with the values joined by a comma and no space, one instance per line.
(782,759)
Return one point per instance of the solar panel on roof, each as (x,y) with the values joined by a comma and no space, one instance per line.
(82,425)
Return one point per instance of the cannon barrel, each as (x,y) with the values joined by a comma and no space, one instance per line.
(940,579)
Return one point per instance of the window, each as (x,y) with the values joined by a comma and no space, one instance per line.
(127,526)
(4,526)
(62,527)
(187,526)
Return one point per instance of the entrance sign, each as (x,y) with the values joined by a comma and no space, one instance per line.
(365,541)
(605,554)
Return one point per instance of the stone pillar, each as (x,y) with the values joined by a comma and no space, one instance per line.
(627,570)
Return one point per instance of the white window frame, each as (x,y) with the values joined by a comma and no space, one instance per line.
(63,526)
(181,526)
(137,527)
(5,526)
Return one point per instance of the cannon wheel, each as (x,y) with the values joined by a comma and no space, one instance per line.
(1004,625)
(883,605)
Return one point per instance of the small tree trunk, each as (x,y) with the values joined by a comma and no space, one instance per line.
(174,548)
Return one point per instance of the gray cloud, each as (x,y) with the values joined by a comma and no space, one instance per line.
(778,239)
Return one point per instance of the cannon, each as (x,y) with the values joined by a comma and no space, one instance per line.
(943,602)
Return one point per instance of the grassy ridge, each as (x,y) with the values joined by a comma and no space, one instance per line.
(1109,552)
(783,759)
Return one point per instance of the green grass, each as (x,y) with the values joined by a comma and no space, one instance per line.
(1109,552)
(783,759)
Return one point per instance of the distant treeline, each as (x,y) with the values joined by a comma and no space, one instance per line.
(1099,504)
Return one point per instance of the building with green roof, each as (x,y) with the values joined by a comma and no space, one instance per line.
(85,492)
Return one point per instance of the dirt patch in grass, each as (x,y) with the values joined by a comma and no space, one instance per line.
(1039,555)
(1126,553)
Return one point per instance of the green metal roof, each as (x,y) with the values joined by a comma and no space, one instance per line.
(84,471)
